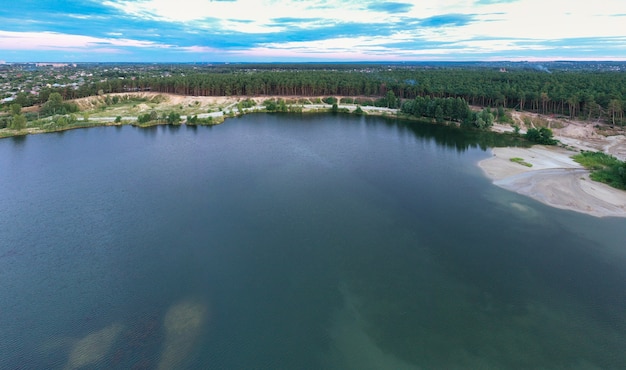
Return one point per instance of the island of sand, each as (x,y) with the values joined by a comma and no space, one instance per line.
(554,178)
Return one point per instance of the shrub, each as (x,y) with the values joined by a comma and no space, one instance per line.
(604,168)
(540,136)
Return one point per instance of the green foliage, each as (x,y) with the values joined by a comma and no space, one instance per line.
(248,103)
(540,136)
(4,121)
(282,106)
(521,161)
(61,121)
(335,108)
(295,109)
(118,119)
(55,105)
(15,109)
(358,110)
(441,109)
(604,168)
(330,100)
(173,118)
(391,100)
(573,93)
(200,121)
(18,122)
(275,106)
(144,118)
(24,99)
(270,105)
(503,116)
(364,102)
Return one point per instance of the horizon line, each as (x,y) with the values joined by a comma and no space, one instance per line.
(517,60)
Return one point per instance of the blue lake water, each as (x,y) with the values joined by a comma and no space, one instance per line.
(294,242)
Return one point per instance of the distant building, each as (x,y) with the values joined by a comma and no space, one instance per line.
(53,65)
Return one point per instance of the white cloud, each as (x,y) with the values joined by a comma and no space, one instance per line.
(249,16)
(537,19)
(473,28)
(61,41)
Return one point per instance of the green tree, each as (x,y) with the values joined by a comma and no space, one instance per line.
(270,105)
(15,109)
(439,114)
(54,105)
(173,118)
(18,122)
(23,99)
(616,110)
(540,136)
(391,100)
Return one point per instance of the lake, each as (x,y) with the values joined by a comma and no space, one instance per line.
(294,242)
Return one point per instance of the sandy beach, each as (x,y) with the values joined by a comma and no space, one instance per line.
(554,179)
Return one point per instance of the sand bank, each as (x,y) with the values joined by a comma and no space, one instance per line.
(554,179)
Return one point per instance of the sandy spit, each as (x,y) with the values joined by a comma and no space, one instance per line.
(554,179)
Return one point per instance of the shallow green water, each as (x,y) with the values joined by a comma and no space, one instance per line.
(288,241)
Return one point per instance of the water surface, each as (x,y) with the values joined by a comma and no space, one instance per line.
(285,241)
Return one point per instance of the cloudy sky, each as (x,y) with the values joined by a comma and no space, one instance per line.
(311,30)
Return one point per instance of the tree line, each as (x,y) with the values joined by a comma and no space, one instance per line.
(575,94)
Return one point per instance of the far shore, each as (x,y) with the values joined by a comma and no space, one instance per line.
(222,109)
(554,179)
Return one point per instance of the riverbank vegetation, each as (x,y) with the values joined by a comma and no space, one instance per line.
(604,168)
(521,161)
(572,93)
(474,98)
(542,135)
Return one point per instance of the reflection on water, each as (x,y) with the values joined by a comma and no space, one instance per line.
(273,242)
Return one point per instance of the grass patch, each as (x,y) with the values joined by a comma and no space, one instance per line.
(604,168)
(521,161)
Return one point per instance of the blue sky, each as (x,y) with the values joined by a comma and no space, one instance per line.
(311,30)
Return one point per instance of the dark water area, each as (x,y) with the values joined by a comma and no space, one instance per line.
(295,242)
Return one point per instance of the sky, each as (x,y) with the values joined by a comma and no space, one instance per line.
(311,30)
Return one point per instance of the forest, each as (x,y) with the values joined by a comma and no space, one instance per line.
(588,95)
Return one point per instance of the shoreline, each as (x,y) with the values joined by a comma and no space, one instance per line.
(554,179)
(227,110)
